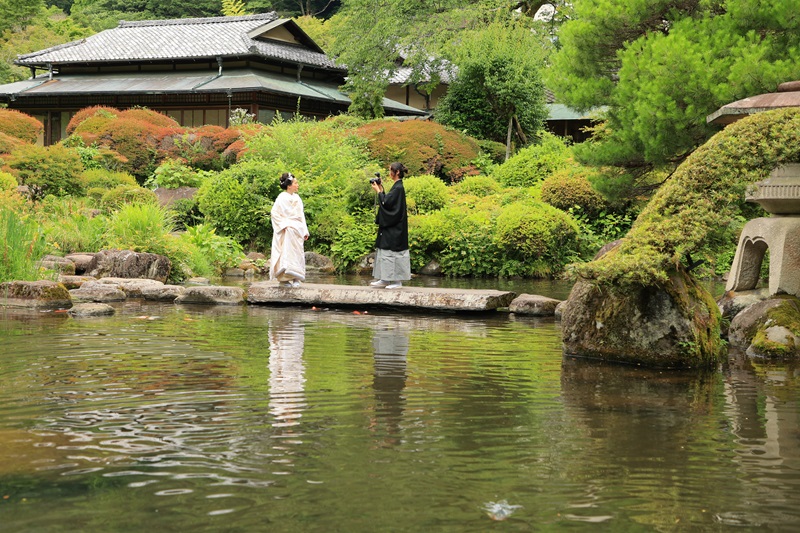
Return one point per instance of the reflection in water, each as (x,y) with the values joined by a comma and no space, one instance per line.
(286,373)
(390,346)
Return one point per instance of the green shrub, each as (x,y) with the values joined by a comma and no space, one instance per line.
(330,162)
(21,247)
(496,151)
(355,238)
(425,194)
(477,186)
(127,194)
(459,238)
(237,206)
(534,163)
(219,251)
(171,174)
(543,238)
(186,213)
(53,170)
(569,188)
(7,182)
(105,179)
(71,224)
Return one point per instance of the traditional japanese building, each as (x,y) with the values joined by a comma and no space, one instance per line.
(194,70)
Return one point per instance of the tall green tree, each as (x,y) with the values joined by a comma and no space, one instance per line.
(498,93)
(15,14)
(663,65)
(49,27)
(373,37)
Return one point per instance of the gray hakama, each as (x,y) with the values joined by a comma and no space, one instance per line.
(392,266)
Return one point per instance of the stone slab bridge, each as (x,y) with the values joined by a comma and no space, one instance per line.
(359,296)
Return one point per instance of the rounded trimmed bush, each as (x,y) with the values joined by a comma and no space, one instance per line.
(532,231)
(425,193)
(100,111)
(478,186)
(424,147)
(106,179)
(567,189)
(20,125)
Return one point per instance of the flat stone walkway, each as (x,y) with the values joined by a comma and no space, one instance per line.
(361,296)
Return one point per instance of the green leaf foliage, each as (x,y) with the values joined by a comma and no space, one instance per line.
(532,164)
(237,201)
(663,66)
(52,170)
(498,80)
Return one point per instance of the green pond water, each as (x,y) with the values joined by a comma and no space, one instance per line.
(246,419)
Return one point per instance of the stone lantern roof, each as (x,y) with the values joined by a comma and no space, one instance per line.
(788,95)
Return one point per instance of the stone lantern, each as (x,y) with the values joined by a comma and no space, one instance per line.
(779,195)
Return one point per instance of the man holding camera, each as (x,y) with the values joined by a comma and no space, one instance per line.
(392,261)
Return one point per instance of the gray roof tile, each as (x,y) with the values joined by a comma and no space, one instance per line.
(153,40)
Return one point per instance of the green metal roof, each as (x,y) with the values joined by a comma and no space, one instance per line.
(562,112)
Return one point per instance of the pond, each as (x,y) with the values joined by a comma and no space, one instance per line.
(241,419)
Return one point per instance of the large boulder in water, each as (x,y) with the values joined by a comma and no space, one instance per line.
(130,264)
(40,294)
(674,325)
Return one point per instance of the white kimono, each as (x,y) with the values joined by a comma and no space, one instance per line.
(287,261)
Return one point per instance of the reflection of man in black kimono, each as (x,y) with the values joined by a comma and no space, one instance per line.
(389,381)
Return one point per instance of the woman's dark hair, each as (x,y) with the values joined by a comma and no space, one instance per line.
(286,180)
(400,168)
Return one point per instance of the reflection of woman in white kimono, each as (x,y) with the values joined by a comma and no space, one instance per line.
(289,230)
(286,373)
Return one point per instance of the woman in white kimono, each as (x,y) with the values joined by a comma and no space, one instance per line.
(289,230)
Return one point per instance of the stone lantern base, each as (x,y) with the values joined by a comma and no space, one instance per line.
(781,235)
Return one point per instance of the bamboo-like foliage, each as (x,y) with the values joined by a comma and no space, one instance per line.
(22,246)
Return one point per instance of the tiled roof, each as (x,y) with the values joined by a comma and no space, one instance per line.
(153,40)
(187,82)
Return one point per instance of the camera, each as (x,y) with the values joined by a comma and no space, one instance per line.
(376,179)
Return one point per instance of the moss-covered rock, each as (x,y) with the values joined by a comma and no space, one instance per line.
(675,324)
(41,294)
(769,329)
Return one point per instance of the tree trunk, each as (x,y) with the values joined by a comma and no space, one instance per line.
(522,136)
(508,137)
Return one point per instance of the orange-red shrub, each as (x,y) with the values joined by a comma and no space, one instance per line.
(87,112)
(148,115)
(8,143)
(20,125)
(424,147)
